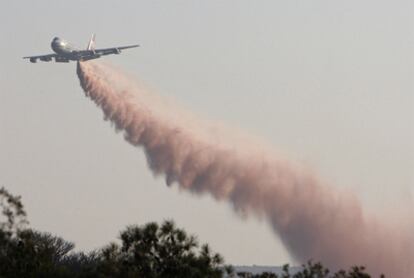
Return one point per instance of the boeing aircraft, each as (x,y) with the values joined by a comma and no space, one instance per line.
(65,52)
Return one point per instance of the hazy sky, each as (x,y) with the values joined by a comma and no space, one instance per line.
(328,83)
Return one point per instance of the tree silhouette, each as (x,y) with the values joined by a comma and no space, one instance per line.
(151,250)
(313,270)
(159,251)
(13,213)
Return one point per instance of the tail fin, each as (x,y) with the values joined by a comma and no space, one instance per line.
(91,44)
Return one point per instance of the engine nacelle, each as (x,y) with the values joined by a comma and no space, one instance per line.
(61,60)
(117,51)
(96,56)
(45,59)
(33,60)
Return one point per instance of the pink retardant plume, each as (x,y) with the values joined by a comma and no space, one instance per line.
(314,221)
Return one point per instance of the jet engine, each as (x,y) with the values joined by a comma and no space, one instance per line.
(61,60)
(45,59)
(87,58)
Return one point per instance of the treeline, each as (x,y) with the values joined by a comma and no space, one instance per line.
(150,250)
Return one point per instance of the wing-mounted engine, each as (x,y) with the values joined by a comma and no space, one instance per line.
(59,59)
(33,60)
(45,59)
(87,58)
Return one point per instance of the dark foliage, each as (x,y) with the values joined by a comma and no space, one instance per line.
(150,250)
(314,270)
(145,251)
(13,213)
(159,251)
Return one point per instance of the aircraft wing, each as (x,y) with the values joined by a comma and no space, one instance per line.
(44,58)
(113,50)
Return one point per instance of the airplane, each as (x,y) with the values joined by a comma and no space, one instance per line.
(65,52)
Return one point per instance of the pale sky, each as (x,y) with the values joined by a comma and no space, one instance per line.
(329,83)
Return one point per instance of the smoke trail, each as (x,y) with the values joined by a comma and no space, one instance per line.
(313,221)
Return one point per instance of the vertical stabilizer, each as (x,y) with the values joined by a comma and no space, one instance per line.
(91,44)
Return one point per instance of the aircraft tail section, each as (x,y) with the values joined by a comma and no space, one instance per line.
(91,44)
